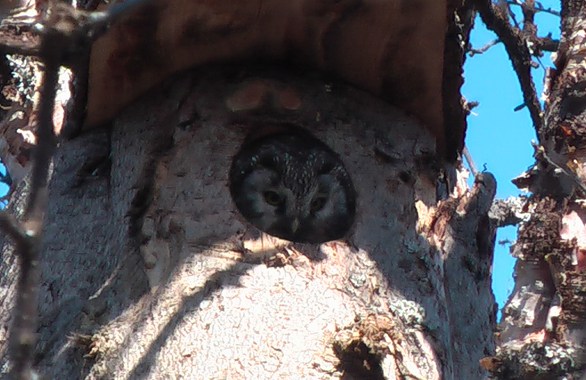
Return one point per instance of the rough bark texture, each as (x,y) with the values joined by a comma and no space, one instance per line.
(150,272)
(543,328)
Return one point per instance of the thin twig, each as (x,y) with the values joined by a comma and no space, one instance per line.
(51,49)
(98,22)
(91,25)
(470,161)
(23,337)
(513,17)
(483,49)
(118,10)
(539,8)
(59,42)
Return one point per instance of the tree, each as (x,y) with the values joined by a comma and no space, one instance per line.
(145,267)
(543,322)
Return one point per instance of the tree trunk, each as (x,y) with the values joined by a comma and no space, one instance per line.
(543,327)
(149,270)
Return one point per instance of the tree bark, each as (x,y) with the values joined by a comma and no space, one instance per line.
(150,272)
(543,327)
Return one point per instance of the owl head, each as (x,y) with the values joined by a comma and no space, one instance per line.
(293,186)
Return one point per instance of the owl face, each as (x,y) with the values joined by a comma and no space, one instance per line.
(293,186)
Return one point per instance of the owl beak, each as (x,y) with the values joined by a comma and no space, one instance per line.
(295,225)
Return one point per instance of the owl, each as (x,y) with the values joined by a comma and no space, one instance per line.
(291,185)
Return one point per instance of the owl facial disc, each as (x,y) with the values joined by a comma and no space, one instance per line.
(293,186)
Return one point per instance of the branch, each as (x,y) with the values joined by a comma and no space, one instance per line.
(23,332)
(23,335)
(472,52)
(539,8)
(547,43)
(86,27)
(518,53)
(64,32)
(51,49)
(468,157)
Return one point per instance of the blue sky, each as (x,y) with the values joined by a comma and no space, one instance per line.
(498,138)
(3,186)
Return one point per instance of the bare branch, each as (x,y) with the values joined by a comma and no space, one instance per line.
(547,43)
(539,8)
(64,32)
(472,52)
(51,49)
(468,157)
(23,335)
(88,25)
(519,54)
(513,17)
(97,23)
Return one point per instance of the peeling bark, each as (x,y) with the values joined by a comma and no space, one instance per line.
(543,327)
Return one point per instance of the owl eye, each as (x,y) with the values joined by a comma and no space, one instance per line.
(318,203)
(272,197)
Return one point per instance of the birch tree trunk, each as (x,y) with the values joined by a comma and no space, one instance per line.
(543,327)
